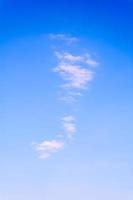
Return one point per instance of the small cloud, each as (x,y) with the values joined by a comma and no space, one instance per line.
(82,59)
(70,97)
(75,76)
(46,148)
(90,61)
(70,128)
(69,125)
(68,118)
(77,71)
(63,37)
(69,57)
(74,70)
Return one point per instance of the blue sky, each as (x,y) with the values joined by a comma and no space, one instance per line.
(66,102)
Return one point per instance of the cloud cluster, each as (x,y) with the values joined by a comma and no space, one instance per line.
(76,72)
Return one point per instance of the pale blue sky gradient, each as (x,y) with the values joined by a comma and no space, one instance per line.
(98,162)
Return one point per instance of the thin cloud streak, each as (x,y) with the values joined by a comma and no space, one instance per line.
(84,59)
(68,39)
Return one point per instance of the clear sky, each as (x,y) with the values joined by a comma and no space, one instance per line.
(66,100)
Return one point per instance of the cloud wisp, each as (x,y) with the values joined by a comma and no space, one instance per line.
(47,148)
(68,39)
(69,126)
(84,59)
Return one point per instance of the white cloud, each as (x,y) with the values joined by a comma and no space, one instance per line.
(69,57)
(70,97)
(69,125)
(75,76)
(75,70)
(46,148)
(90,61)
(70,128)
(83,59)
(63,37)
(68,118)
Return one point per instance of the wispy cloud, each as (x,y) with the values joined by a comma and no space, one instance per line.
(91,62)
(75,76)
(66,56)
(69,125)
(83,59)
(77,72)
(68,39)
(46,148)
(74,70)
